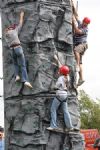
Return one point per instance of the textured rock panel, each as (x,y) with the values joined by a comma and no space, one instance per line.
(47,30)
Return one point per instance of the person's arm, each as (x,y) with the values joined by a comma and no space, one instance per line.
(21,19)
(74,19)
(57,60)
(75,13)
(76,29)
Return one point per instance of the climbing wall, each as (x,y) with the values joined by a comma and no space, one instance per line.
(47,30)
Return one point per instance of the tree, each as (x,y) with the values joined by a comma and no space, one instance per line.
(90,111)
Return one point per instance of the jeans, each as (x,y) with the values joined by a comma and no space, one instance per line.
(19,63)
(67,118)
(2,144)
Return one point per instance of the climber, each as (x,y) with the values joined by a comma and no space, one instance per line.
(12,39)
(61,99)
(80,42)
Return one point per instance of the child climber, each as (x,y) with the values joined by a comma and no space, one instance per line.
(61,99)
(12,39)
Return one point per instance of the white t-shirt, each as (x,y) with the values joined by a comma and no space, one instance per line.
(61,86)
(61,83)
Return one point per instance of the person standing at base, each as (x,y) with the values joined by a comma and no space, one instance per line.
(80,42)
(12,39)
(61,99)
(97,143)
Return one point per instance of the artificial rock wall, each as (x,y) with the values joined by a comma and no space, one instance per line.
(47,30)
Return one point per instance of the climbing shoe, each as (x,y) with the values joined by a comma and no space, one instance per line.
(28,84)
(76,129)
(80,82)
(50,128)
(17,78)
(71,129)
(55,129)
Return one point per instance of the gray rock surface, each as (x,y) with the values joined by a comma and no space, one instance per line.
(47,30)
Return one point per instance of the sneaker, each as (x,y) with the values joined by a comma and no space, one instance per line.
(55,129)
(50,128)
(76,129)
(69,129)
(72,129)
(28,84)
(80,82)
(17,78)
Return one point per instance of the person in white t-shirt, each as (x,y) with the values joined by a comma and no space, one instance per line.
(61,99)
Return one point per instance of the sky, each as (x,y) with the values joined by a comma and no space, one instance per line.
(91,68)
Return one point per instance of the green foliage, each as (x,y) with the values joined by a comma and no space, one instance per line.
(90,111)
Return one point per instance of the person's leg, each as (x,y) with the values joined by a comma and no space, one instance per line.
(16,67)
(79,51)
(81,68)
(54,107)
(22,66)
(77,57)
(67,117)
(81,80)
(21,63)
(81,72)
